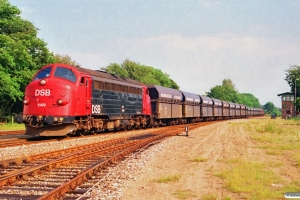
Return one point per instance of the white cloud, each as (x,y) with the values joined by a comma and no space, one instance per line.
(89,60)
(256,65)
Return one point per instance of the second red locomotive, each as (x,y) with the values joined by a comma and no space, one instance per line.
(66,100)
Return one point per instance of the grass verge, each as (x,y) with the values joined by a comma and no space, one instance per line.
(9,126)
(184,194)
(253,179)
(167,179)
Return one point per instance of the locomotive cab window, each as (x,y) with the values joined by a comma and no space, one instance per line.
(83,81)
(44,73)
(65,73)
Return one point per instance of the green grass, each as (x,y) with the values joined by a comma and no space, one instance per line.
(184,194)
(209,197)
(251,178)
(278,137)
(199,159)
(10,126)
(167,179)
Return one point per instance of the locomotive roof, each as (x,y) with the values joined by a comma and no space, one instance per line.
(106,75)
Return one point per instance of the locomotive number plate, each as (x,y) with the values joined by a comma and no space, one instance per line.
(96,109)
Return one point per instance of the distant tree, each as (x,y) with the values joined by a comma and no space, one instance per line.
(142,73)
(292,76)
(249,100)
(21,55)
(223,93)
(228,92)
(229,84)
(65,59)
(269,108)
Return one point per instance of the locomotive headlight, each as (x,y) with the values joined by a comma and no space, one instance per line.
(26,101)
(59,101)
(62,102)
(43,82)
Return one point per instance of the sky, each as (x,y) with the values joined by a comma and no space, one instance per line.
(198,43)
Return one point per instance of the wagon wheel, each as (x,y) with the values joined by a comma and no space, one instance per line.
(81,132)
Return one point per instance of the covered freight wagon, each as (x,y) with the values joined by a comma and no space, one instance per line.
(225,109)
(206,107)
(166,103)
(231,110)
(217,108)
(237,110)
(191,105)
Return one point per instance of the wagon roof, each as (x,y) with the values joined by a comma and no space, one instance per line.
(242,106)
(206,100)
(225,103)
(237,105)
(217,102)
(190,97)
(232,105)
(163,92)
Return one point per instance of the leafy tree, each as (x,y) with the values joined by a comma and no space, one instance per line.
(223,93)
(229,84)
(142,73)
(65,59)
(228,92)
(269,108)
(21,55)
(249,100)
(293,79)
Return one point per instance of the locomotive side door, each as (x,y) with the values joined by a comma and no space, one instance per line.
(84,104)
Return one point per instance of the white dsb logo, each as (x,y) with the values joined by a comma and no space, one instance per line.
(42,92)
(96,109)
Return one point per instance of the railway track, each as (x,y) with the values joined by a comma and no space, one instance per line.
(14,132)
(13,142)
(19,141)
(69,173)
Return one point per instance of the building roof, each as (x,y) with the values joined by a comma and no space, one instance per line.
(290,93)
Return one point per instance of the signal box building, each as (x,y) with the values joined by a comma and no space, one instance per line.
(287,104)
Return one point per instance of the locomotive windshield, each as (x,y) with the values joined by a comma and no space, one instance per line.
(44,73)
(65,73)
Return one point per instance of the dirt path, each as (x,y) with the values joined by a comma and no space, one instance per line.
(195,159)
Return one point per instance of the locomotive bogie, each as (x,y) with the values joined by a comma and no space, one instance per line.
(50,130)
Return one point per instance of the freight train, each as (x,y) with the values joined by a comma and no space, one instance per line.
(64,100)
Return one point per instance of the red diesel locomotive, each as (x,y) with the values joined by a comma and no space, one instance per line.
(66,100)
